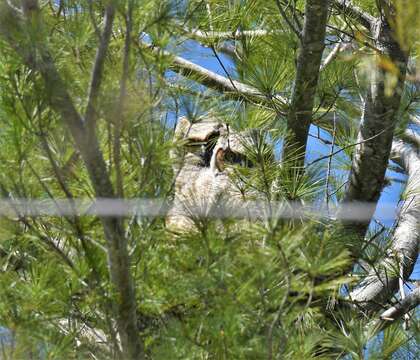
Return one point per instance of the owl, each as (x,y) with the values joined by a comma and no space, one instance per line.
(203,185)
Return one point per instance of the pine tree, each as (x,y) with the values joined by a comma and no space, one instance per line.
(115,100)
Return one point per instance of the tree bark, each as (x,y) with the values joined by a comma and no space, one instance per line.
(400,309)
(382,282)
(308,66)
(370,159)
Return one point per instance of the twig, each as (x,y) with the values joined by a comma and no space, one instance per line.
(18,10)
(327,182)
(338,48)
(223,67)
(402,294)
(286,18)
(346,147)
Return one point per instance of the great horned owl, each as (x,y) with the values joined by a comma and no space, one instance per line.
(202,178)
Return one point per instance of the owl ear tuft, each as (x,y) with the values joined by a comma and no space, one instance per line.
(220,159)
(217,162)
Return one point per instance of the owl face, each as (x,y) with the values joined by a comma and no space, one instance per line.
(207,138)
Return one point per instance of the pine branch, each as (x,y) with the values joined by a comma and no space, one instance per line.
(287,20)
(328,156)
(415,120)
(232,88)
(119,114)
(37,57)
(411,137)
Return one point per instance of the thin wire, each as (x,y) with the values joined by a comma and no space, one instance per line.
(231,208)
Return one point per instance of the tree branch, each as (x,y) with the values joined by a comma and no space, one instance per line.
(119,114)
(348,8)
(233,88)
(287,20)
(338,48)
(370,160)
(230,88)
(400,309)
(98,67)
(382,282)
(213,35)
(308,66)
(341,149)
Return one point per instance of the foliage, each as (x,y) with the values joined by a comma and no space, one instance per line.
(229,289)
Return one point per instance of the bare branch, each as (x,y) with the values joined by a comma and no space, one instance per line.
(227,35)
(338,48)
(348,8)
(400,309)
(382,282)
(98,66)
(233,88)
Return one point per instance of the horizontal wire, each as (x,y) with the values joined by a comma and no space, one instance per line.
(151,208)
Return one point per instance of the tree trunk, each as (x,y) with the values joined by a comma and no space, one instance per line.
(378,122)
(308,66)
